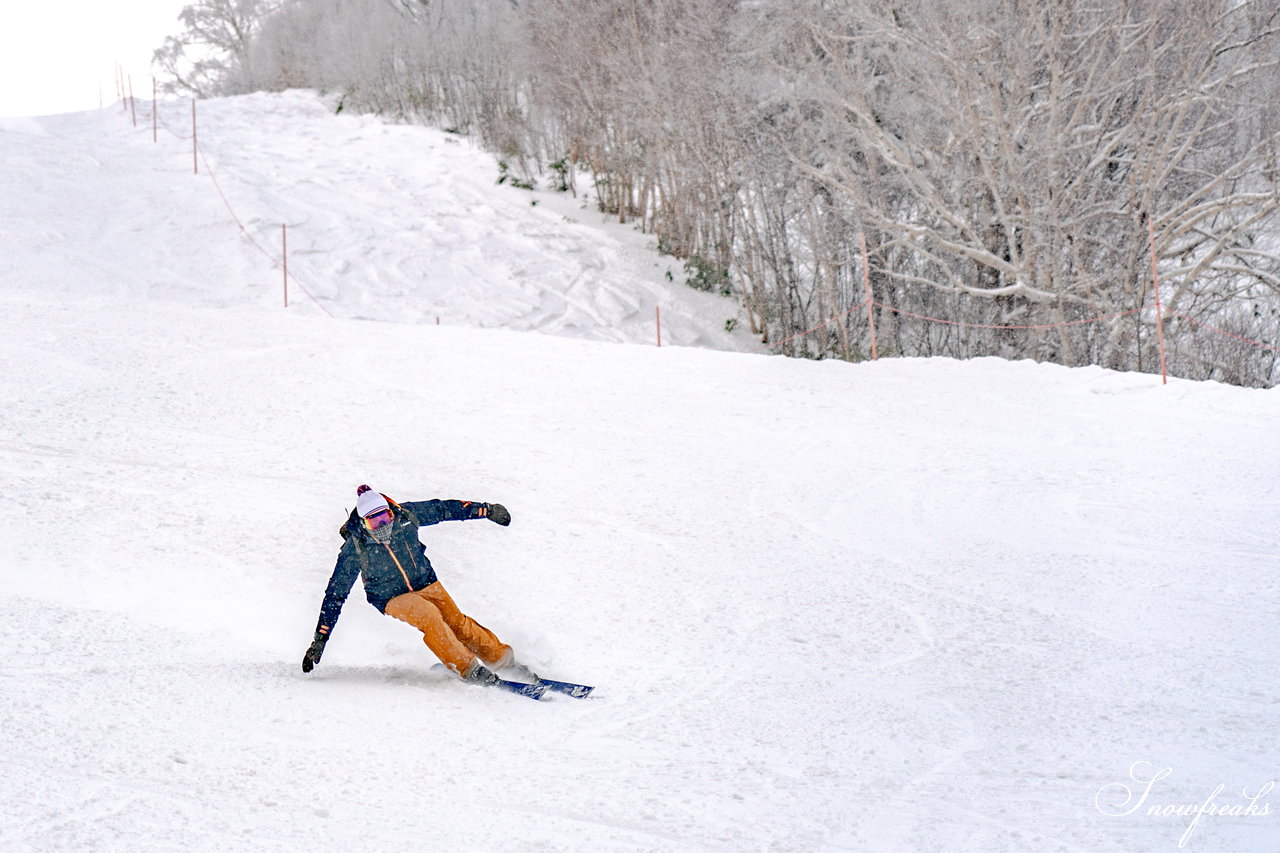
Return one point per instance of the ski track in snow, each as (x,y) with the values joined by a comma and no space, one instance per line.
(910,605)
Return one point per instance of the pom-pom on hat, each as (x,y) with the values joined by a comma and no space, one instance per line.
(368,502)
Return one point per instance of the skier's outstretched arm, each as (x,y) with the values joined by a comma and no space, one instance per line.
(335,595)
(434,512)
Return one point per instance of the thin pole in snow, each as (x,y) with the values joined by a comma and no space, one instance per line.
(657,315)
(284,256)
(1155,283)
(195,162)
(133,105)
(155,126)
(866,278)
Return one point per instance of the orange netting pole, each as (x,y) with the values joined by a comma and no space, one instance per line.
(1155,283)
(284,258)
(866,278)
(195,147)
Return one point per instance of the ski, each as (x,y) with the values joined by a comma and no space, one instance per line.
(539,685)
(533,691)
(568,688)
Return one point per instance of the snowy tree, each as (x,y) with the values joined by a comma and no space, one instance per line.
(1014,151)
(211,56)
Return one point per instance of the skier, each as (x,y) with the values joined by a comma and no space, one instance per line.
(382,547)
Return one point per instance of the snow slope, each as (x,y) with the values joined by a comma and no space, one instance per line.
(908,605)
(385,222)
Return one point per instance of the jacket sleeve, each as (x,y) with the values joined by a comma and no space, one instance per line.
(434,512)
(344,577)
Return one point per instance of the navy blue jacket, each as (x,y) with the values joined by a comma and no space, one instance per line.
(399,566)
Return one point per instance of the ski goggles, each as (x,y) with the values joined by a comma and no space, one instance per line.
(378,519)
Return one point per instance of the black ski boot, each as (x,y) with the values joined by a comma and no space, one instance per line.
(480,674)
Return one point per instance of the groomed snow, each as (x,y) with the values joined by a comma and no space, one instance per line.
(903,605)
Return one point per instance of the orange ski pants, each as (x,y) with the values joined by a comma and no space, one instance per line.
(452,636)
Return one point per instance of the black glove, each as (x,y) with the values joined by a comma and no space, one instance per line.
(312,657)
(498,514)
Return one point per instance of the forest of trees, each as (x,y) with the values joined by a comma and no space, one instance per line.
(1007,161)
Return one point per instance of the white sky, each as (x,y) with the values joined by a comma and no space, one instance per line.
(54,56)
